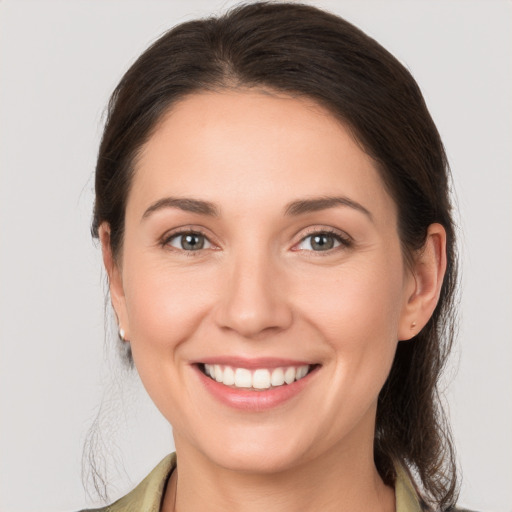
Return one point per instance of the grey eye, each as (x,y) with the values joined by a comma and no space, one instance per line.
(189,242)
(319,242)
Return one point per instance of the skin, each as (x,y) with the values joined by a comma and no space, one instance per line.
(259,289)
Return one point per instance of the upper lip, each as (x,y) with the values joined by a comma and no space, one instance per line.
(253,363)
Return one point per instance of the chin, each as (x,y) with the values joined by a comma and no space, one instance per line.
(256,453)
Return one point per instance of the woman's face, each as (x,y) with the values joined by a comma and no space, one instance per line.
(260,243)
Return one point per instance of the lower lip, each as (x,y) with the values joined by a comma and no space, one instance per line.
(250,400)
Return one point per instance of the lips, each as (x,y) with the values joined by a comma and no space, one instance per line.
(255,385)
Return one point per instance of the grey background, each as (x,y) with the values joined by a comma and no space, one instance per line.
(58,63)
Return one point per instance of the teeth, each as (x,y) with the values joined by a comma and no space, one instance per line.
(301,372)
(262,378)
(243,378)
(228,376)
(289,375)
(277,378)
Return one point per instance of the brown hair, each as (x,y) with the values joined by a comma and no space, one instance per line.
(304,51)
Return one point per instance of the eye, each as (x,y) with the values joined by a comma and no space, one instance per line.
(321,241)
(189,241)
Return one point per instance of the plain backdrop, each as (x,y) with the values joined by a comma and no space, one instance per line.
(58,63)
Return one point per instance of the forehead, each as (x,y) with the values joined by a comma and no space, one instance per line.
(253,147)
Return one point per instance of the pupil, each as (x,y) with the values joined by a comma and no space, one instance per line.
(322,242)
(192,242)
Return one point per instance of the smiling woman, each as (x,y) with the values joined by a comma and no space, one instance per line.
(273,209)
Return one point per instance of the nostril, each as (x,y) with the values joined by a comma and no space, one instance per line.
(253,301)
(255,321)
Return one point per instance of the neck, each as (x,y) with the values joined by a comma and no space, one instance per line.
(340,481)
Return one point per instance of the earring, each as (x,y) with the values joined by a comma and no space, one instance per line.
(413,325)
(122,334)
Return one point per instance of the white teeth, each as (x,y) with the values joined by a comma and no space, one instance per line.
(229,376)
(302,371)
(289,375)
(277,377)
(243,378)
(262,378)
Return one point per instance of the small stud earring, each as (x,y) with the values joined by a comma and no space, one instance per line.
(121,334)
(413,325)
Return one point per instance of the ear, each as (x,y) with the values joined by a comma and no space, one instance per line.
(115,281)
(424,283)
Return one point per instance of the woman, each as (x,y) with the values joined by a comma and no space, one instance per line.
(272,205)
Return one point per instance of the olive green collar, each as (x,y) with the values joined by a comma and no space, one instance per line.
(405,494)
(147,496)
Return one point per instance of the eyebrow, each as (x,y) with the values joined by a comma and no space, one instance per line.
(316,204)
(295,208)
(183,203)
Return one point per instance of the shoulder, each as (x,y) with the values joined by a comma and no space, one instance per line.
(454,509)
(148,495)
(408,499)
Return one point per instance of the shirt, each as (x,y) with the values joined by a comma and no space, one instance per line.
(148,495)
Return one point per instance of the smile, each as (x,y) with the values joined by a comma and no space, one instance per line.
(257,379)
(255,385)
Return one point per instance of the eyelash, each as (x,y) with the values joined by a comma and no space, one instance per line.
(167,238)
(345,242)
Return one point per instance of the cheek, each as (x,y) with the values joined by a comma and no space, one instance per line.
(358,315)
(164,304)
(165,307)
(354,304)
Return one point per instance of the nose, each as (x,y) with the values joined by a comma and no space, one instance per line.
(254,302)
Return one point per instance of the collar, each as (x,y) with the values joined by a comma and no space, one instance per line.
(406,497)
(148,494)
